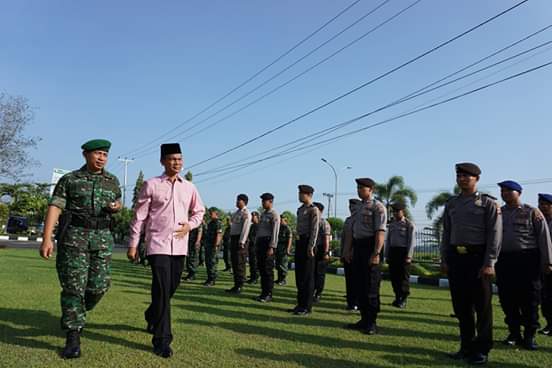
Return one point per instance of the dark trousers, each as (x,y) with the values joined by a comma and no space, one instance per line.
(266,265)
(253,265)
(518,277)
(367,279)
(320,268)
(226,255)
(166,273)
(211,261)
(238,256)
(192,260)
(546,305)
(304,273)
(350,287)
(399,271)
(471,296)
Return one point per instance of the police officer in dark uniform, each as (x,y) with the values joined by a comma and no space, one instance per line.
(266,243)
(308,221)
(369,226)
(322,254)
(526,254)
(251,250)
(240,223)
(472,233)
(545,205)
(226,247)
(399,249)
(192,260)
(346,240)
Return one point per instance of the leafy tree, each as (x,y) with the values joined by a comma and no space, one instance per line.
(433,209)
(395,190)
(121,224)
(137,188)
(188,176)
(291,220)
(29,200)
(15,116)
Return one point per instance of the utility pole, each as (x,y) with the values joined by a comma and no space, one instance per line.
(125,162)
(330,196)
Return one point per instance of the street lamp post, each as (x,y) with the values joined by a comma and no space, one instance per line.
(335,188)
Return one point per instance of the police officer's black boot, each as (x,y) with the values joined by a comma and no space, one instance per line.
(547,330)
(72,345)
(514,338)
(529,341)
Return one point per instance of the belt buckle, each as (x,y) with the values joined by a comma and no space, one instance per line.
(461,249)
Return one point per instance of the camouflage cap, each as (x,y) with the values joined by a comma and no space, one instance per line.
(97,144)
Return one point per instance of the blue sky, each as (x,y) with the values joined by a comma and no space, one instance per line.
(130,71)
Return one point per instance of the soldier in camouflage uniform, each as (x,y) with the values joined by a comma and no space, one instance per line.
(213,238)
(201,250)
(285,238)
(226,247)
(192,260)
(83,201)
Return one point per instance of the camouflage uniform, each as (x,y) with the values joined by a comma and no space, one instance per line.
(281,252)
(85,241)
(211,250)
(193,254)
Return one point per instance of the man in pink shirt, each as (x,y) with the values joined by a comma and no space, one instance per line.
(167,208)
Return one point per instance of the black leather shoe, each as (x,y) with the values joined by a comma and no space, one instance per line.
(292,310)
(371,329)
(234,290)
(402,303)
(477,359)
(163,351)
(209,283)
(264,298)
(395,303)
(316,298)
(282,283)
(546,331)
(459,355)
(529,342)
(252,281)
(513,339)
(360,325)
(189,278)
(301,312)
(72,345)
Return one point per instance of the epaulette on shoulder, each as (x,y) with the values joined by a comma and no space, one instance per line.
(488,196)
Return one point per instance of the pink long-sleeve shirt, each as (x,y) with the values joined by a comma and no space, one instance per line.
(161,208)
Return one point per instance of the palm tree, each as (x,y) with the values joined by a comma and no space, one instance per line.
(395,190)
(433,209)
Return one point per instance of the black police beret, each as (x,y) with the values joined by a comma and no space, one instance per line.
(365,182)
(319,205)
(468,168)
(306,189)
(267,196)
(397,206)
(243,197)
(169,149)
(545,197)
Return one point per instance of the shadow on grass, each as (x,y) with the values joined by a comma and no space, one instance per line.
(25,328)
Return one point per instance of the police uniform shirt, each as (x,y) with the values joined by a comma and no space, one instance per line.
(308,221)
(524,227)
(370,218)
(240,223)
(401,234)
(269,225)
(324,229)
(472,220)
(347,233)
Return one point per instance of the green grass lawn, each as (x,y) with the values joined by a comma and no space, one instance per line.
(214,329)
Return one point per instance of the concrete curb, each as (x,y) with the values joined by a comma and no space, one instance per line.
(20,238)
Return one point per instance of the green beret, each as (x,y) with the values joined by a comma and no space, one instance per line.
(97,144)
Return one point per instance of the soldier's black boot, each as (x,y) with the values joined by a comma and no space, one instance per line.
(529,341)
(72,345)
(514,338)
(547,330)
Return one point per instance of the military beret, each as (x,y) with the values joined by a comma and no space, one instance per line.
(468,168)
(254,213)
(169,149)
(96,144)
(319,205)
(545,197)
(306,189)
(354,201)
(510,184)
(213,209)
(267,196)
(365,182)
(397,206)
(243,197)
